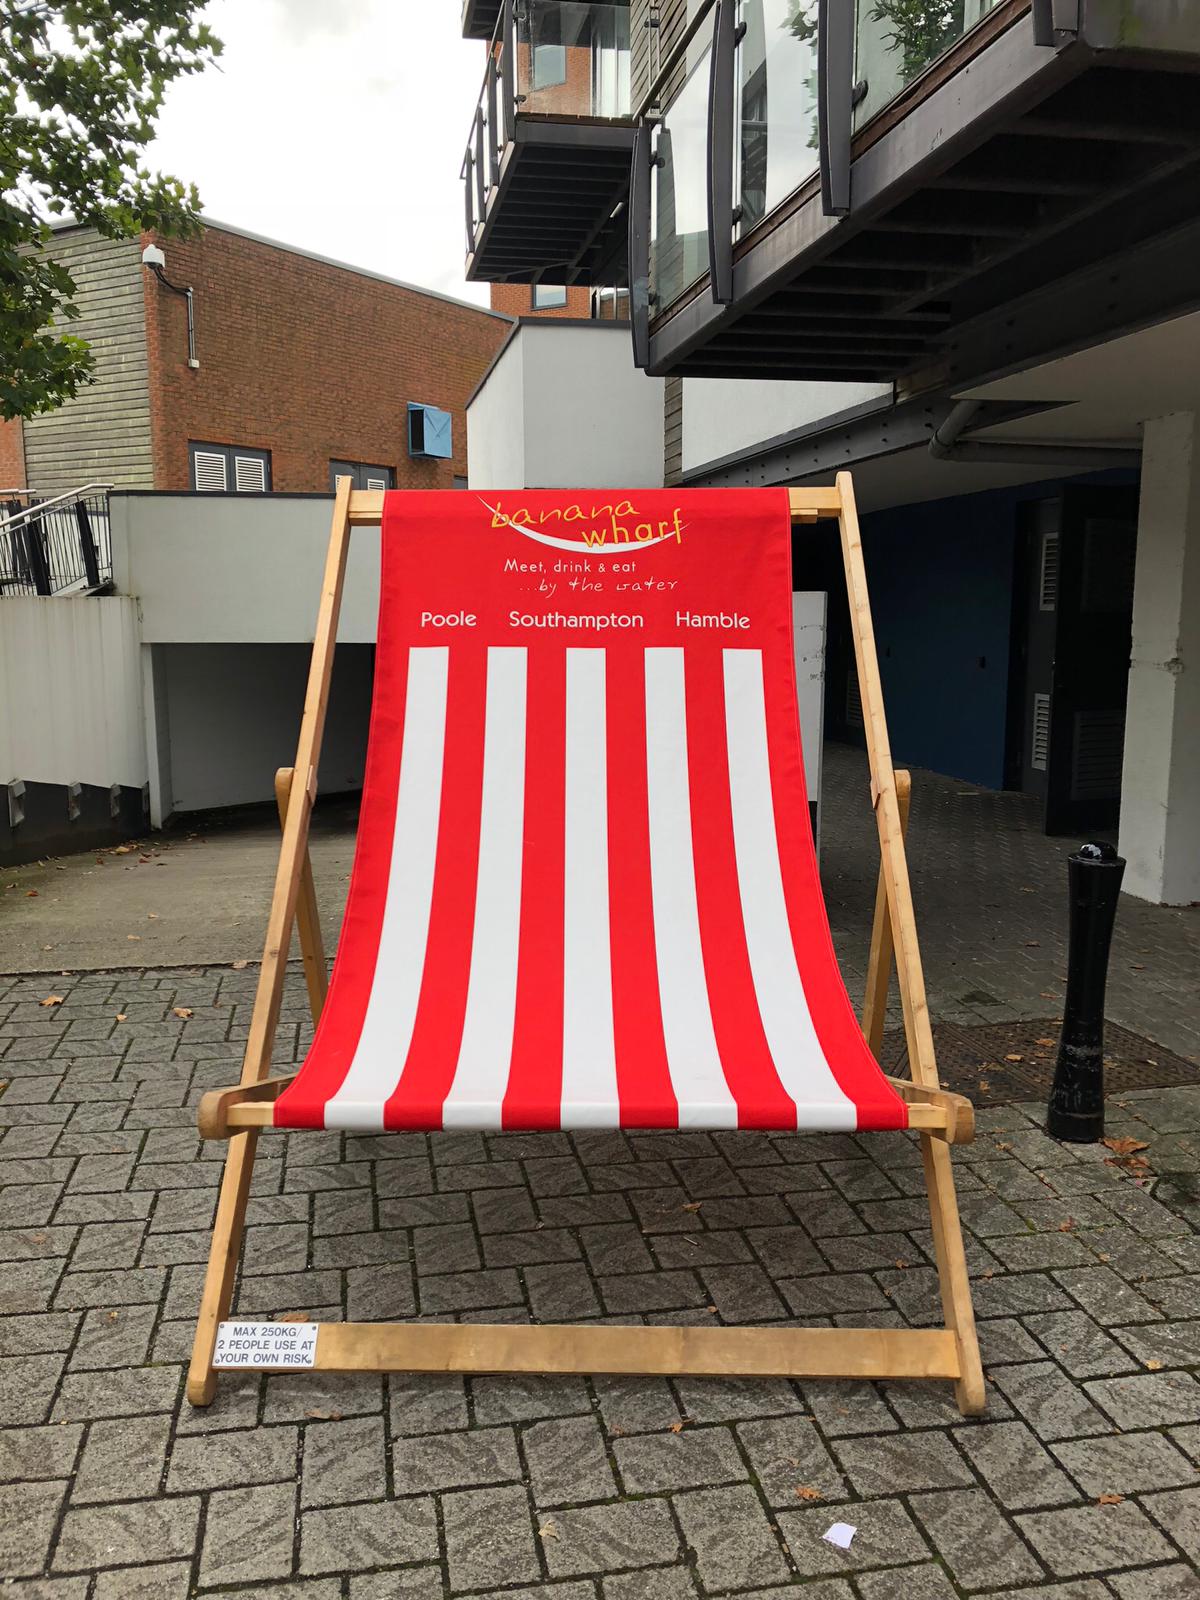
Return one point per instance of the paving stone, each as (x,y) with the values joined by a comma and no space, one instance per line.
(248,1534)
(656,1462)
(343,1461)
(735,1544)
(123,1459)
(787,1456)
(167,1580)
(635,1405)
(292,1397)
(1014,1465)
(27,1385)
(489,1538)
(346,1538)
(664,1583)
(886,1536)
(1174,1344)
(1076,1343)
(25,1539)
(1094,1538)
(407,1583)
(928,1582)
(1049,1401)
(978,1544)
(880,1465)
(1106,1296)
(83,1396)
(732,1399)
(1148,1400)
(1125,1463)
(427,1404)
(638,1533)
(235,1456)
(116,1338)
(428,1463)
(1178,1511)
(526,1399)
(568,1462)
(1156,1583)
(845,1408)
(148,1530)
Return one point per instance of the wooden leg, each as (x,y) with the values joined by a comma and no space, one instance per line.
(222,1265)
(308,921)
(952,1274)
(879,960)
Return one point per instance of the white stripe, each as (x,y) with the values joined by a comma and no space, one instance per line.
(692,1055)
(392,1005)
(589,1086)
(795,1048)
(477,1093)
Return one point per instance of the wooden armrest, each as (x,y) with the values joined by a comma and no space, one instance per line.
(960,1113)
(215,1106)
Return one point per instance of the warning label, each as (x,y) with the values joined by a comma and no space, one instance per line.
(266,1344)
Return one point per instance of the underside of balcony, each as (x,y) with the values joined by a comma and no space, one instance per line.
(557,213)
(1028,169)
(479,18)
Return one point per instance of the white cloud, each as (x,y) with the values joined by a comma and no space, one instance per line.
(335,125)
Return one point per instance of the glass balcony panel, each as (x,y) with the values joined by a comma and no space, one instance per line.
(572,59)
(897,39)
(776,147)
(679,187)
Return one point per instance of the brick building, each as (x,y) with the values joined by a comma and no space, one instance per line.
(302,368)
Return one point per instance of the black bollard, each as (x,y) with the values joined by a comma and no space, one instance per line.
(1076,1108)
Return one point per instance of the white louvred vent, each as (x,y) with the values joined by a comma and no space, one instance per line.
(1048,586)
(376,483)
(211,477)
(1041,732)
(250,475)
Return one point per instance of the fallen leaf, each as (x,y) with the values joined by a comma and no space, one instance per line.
(548,1529)
(293,1316)
(1110,1500)
(1048,994)
(134,938)
(804,1492)
(122,1016)
(1014,1058)
(1033,944)
(617,1430)
(239,966)
(1153,1366)
(152,916)
(31,894)
(1065,1227)
(903,1265)
(984,1085)
(692,1205)
(183,1012)
(1046,1044)
(1125,1146)
(122,850)
(51,1000)
(324,1416)
(1136,966)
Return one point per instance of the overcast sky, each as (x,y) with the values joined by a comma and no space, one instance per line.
(338,126)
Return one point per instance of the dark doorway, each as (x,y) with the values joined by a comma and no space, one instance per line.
(1072,637)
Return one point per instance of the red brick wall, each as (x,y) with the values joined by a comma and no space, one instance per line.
(12,455)
(516,300)
(309,361)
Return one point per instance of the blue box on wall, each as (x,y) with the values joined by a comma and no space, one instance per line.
(429,432)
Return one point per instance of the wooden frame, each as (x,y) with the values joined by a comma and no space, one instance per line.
(941,1118)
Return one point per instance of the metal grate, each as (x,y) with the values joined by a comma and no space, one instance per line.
(854,710)
(1098,745)
(210,473)
(998,1062)
(250,474)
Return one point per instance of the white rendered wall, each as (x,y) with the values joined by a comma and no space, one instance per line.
(237,569)
(70,691)
(724,415)
(1160,784)
(563,408)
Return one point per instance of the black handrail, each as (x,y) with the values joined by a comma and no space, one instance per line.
(56,546)
(720,153)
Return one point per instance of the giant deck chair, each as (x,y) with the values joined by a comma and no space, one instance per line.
(585,895)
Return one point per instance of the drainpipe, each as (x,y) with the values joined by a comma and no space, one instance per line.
(948,445)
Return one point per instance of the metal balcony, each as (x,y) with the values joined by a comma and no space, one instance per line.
(546,169)
(827,193)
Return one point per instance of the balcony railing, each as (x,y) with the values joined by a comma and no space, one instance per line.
(55,546)
(763,98)
(554,59)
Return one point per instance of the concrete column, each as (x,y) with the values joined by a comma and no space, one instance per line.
(1160,784)
(158,733)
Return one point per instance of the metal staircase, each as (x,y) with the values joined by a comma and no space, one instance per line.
(60,545)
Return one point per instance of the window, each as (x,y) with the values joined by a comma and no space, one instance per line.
(549,65)
(229,469)
(548,296)
(363,476)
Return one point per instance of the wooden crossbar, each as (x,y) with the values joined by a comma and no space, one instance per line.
(244,1109)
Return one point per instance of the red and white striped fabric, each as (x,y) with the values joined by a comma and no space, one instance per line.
(585,893)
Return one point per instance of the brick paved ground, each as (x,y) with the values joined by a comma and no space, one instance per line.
(1086,1278)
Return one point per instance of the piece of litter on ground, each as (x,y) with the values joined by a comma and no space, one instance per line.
(840,1534)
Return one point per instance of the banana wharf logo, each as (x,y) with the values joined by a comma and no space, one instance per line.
(602,526)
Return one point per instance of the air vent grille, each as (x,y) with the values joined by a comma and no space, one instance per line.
(1041,733)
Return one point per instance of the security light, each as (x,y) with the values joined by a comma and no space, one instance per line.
(152,256)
